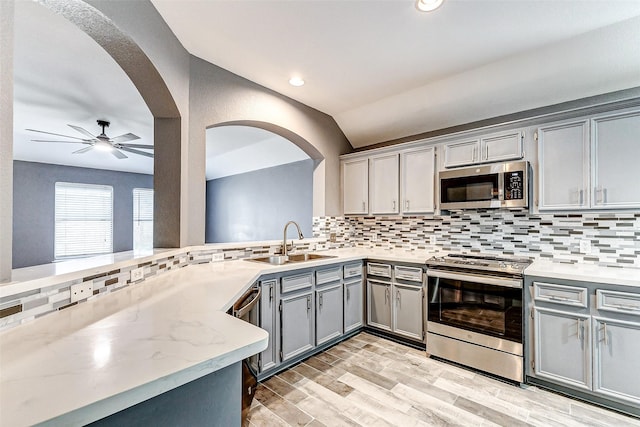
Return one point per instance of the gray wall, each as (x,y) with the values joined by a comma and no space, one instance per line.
(34,207)
(256,205)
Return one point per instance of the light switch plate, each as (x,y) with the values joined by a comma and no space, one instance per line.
(137,274)
(432,240)
(217,257)
(81,291)
(585,246)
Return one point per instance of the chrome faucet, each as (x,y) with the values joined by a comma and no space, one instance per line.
(284,237)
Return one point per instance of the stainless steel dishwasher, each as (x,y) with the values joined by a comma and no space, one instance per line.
(247,308)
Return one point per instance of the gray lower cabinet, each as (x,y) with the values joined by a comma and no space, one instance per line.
(616,364)
(562,352)
(267,359)
(353,307)
(379,304)
(296,325)
(407,304)
(329,309)
(585,337)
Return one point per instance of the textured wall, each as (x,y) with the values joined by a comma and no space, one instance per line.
(34,210)
(256,205)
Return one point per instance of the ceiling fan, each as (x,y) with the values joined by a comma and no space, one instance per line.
(102,142)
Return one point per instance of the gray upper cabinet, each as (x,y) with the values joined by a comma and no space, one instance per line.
(296,325)
(268,322)
(616,155)
(407,313)
(491,148)
(616,370)
(379,304)
(461,153)
(355,186)
(562,347)
(384,184)
(563,155)
(329,309)
(417,180)
(590,163)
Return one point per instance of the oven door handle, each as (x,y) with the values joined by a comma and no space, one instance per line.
(245,308)
(476,278)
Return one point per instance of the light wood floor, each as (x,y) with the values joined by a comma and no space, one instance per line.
(370,381)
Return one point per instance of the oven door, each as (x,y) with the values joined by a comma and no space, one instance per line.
(484,305)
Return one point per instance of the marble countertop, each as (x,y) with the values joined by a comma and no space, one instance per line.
(120,349)
(627,276)
(116,350)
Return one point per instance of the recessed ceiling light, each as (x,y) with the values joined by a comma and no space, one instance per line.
(296,81)
(428,5)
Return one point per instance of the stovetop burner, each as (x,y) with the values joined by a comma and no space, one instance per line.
(481,262)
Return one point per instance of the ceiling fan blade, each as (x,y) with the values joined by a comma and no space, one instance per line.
(83,150)
(148,147)
(83,131)
(124,138)
(57,134)
(117,153)
(131,150)
(64,142)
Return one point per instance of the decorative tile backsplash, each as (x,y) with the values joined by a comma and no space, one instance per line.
(614,237)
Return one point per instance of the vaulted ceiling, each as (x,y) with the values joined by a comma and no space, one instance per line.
(384,70)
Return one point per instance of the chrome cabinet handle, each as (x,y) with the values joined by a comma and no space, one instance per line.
(398,297)
(581,196)
(486,152)
(604,333)
(394,205)
(348,295)
(270,293)
(320,300)
(406,205)
(475,154)
(308,304)
(363,205)
(604,195)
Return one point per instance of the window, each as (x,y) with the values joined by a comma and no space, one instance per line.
(83,219)
(142,219)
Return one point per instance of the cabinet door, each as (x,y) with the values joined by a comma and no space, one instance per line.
(355,186)
(407,314)
(616,147)
(296,325)
(616,367)
(268,323)
(461,153)
(379,304)
(562,349)
(502,147)
(353,305)
(328,313)
(417,180)
(563,177)
(384,179)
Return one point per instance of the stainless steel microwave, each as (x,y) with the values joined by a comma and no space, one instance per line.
(500,185)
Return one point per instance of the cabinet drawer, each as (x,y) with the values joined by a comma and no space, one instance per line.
(412,274)
(382,270)
(293,283)
(327,275)
(560,294)
(620,302)
(352,270)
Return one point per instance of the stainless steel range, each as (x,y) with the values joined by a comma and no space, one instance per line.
(475,312)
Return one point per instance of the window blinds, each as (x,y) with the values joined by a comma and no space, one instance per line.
(142,219)
(83,219)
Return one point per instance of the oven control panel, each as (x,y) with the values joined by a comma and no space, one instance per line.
(514,185)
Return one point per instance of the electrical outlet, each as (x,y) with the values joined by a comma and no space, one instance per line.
(432,239)
(81,291)
(332,237)
(217,257)
(585,246)
(137,274)
(374,237)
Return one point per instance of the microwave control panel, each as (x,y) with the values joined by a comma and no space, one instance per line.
(514,185)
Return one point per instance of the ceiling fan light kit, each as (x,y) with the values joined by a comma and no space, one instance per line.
(428,5)
(101,142)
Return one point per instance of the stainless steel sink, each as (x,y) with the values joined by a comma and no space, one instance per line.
(289,259)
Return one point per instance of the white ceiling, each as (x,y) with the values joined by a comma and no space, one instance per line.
(63,77)
(237,149)
(383,70)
